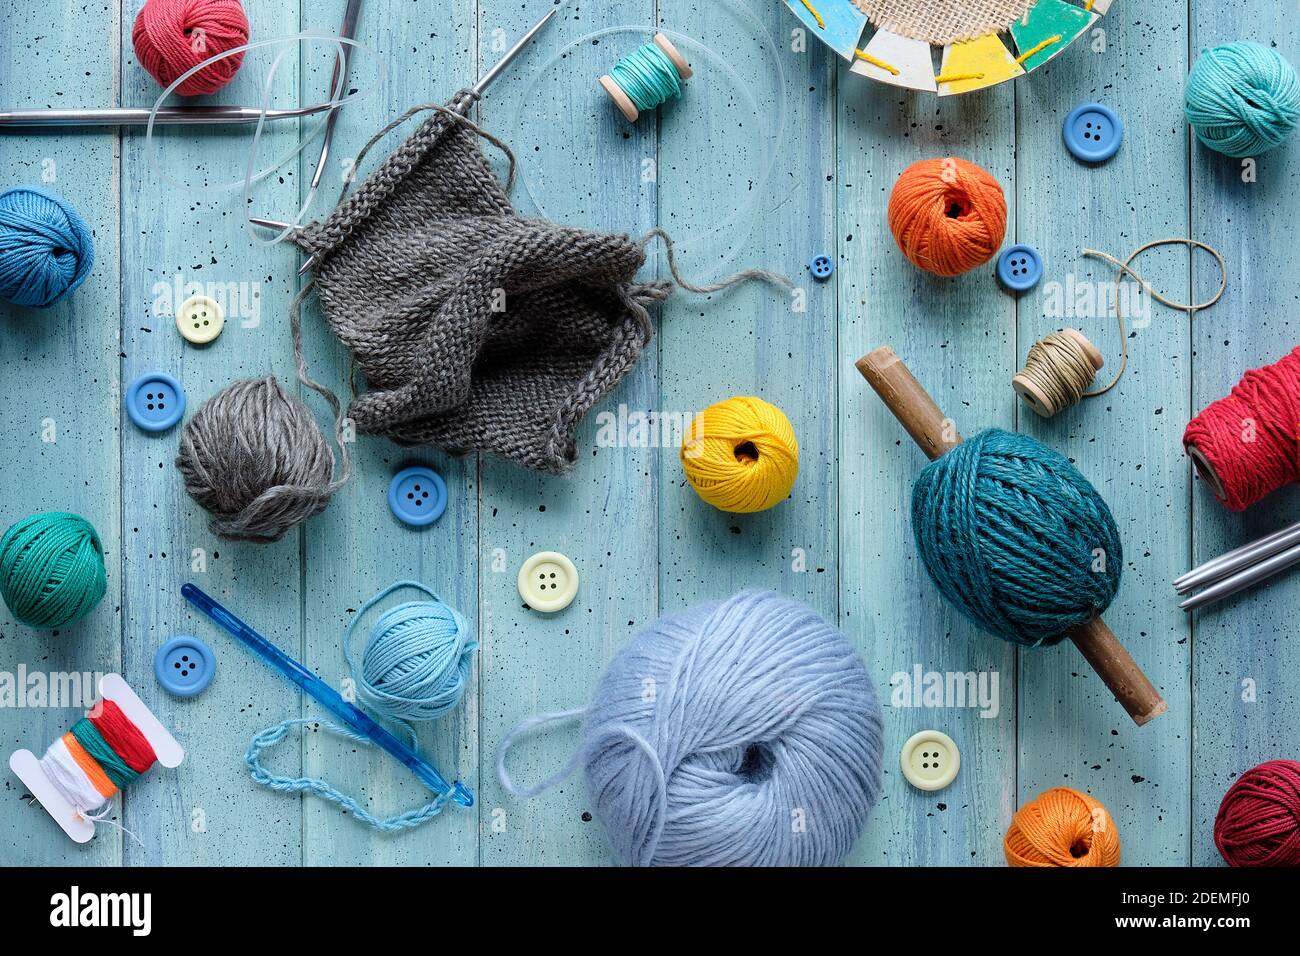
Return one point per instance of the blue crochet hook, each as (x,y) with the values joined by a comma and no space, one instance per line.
(325,695)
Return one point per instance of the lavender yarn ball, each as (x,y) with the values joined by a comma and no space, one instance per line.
(745,732)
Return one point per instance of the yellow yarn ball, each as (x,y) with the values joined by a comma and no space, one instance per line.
(741,455)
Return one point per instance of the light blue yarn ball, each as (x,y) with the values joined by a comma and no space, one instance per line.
(1015,538)
(1242,99)
(46,249)
(417,661)
(739,733)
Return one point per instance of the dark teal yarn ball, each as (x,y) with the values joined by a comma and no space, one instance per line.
(1016,538)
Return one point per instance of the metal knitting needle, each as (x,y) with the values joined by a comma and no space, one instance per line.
(1243,579)
(1239,558)
(166,116)
(484,82)
(347,31)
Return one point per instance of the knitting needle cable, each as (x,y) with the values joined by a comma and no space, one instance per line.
(337,99)
(773,126)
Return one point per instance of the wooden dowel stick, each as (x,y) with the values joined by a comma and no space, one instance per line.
(934,433)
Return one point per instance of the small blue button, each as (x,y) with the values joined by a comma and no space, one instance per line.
(821,267)
(417,496)
(1020,268)
(1092,132)
(184,666)
(155,401)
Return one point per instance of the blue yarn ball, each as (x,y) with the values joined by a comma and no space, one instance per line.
(1016,538)
(744,732)
(417,662)
(1242,99)
(46,249)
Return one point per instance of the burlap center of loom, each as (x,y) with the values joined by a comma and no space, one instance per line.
(942,21)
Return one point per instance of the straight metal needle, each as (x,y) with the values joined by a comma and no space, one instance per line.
(1243,579)
(1239,558)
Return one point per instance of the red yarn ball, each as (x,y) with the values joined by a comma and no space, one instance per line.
(947,215)
(172,36)
(1259,819)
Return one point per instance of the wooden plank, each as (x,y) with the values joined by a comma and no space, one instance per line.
(60,367)
(957,336)
(1239,646)
(357,547)
(583,162)
(209,812)
(714,153)
(1071,731)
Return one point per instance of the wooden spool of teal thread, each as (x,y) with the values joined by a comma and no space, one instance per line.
(626,104)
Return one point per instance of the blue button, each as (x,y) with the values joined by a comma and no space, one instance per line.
(417,495)
(184,666)
(1020,268)
(821,267)
(1092,132)
(155,401)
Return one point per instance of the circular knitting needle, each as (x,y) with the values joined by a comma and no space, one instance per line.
(934,433)
(484,82)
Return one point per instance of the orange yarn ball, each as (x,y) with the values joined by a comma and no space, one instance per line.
(947,215)
(1063,827)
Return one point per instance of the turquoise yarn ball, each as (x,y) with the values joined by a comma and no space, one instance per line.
(51,569)
(45,247)
(1015,538)
(1242,99)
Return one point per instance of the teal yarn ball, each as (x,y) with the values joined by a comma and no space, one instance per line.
(1242,99)
(1015,538)
(45,247)
(51,569)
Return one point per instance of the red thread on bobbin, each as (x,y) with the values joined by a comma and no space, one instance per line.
(1247,444)
(126,739)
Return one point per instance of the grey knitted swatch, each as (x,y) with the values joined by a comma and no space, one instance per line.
(476,329)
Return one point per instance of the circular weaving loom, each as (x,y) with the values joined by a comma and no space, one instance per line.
(983,42)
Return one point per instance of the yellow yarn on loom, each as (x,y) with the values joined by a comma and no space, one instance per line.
(741,455)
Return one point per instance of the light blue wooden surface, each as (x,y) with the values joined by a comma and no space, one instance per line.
(642,540)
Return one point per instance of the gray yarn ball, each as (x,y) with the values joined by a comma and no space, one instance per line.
(255,459)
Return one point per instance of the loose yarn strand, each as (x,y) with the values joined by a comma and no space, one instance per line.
(1125,268)
(527,727)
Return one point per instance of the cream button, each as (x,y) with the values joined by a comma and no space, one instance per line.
(930,760)
(548,581)
(200,319)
